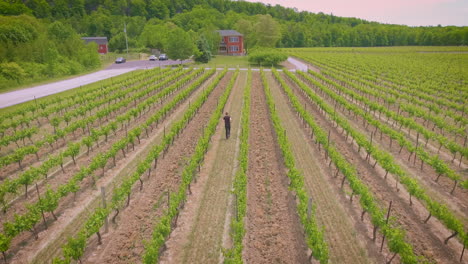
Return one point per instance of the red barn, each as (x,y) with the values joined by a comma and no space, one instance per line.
(101,41)
(232,43)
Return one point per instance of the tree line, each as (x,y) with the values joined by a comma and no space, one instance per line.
(293,28)
(32,50)
(41,37)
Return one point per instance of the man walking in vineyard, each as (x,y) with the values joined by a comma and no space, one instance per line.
(227,124)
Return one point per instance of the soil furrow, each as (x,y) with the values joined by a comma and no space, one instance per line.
(345,234)
(11,171)
(440,190)
(427,239)
(274,233)
(432,147)
(203,216)
(58,178)
(71,208)
(125,241)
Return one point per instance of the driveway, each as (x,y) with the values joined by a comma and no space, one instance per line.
(24,95)
(300,66)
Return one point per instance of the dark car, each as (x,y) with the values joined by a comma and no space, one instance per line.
(163,57)
(120,60)
(153,58)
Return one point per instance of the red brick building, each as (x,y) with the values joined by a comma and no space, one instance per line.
(101,41)
(232,43)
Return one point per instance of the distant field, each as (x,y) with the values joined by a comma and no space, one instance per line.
(405,49)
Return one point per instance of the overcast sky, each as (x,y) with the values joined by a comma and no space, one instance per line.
(405,12)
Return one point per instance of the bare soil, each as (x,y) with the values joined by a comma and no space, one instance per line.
(432,147)
(60,145)
(427,239)
(288,65)
(45,128)
(60,177)
(125,241)
(274,233)
(204,214)
(440,191)
(70,209)
(347,237)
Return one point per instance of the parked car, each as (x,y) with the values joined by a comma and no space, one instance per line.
(163,57)
(120,60)
(153,58)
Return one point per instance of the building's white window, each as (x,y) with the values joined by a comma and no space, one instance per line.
(233,48)
(233,39)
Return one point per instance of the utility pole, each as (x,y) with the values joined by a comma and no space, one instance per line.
(126,40)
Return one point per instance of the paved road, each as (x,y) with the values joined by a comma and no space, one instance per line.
(24,95)
(300,66)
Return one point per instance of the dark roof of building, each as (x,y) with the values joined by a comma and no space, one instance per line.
(98,40)
(229,32)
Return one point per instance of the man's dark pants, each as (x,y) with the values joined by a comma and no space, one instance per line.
(228,131)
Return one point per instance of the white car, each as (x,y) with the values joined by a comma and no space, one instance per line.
(153,58)
(120,60)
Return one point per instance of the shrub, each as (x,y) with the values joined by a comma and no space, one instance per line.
(204,52)
(34,71)
(266,57)
(12,71)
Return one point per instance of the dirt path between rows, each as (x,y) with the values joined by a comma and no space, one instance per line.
(344,233)
(59,177)
(203,218)
(439,191)
(433,145)
(427,239)
(73,213)
(274,233)
(125,241)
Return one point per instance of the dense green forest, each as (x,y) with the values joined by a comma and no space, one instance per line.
(295,29)
(42,37)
